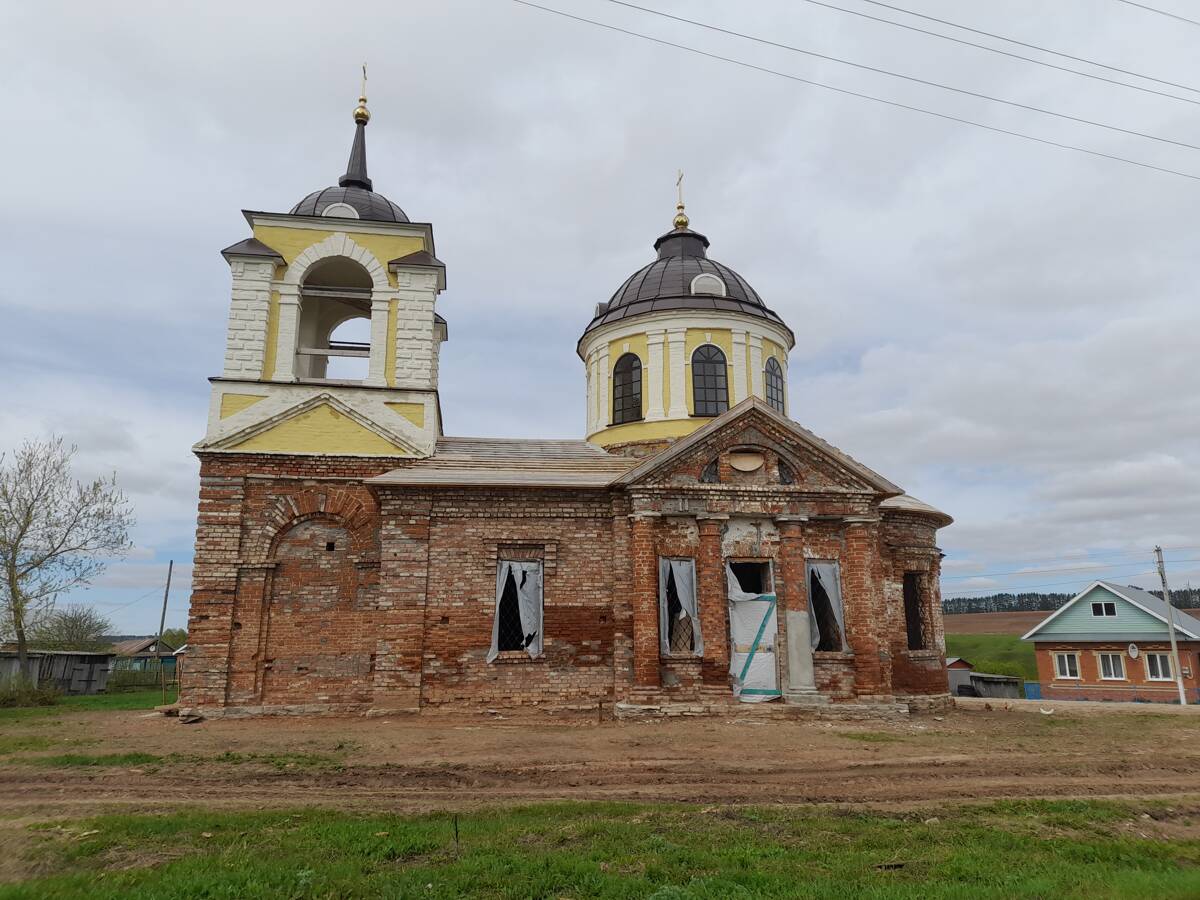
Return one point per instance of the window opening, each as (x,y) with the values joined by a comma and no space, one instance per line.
(331,545)
(1104,610)
(1158,666)
(825,607)
(1112,666)
(786,475)
(679,621)
(913,608)
(517,624)
(710,393)
(711,474)
(627,389)
(706,283)
(773,375)
(1066,665)
(752,577)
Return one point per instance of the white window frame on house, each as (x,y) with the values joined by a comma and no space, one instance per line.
(1107,609)
(1162,663)
(1114,663)
(1059,667)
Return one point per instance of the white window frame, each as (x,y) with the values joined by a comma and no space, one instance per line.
(1104,606)
(1058,668)
(708,278)
(1116,663)
(1164,659)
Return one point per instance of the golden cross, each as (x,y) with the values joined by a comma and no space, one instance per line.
(364,82)
(679,187)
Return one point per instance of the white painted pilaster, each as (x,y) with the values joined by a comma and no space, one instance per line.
(289,325)
(379,321)
(654,375)
(602,387)
(414,328)
(675,367)
(739,367)
(246,335)
(757,384)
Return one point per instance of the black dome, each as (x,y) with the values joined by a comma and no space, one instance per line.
(666,284)
(366,203)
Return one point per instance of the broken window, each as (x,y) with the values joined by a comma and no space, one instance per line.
(711,474)
(678,616)
(752,577)
(627,390)
(517,624)
(913,608)
(825,612)
(710,391)
(773,376)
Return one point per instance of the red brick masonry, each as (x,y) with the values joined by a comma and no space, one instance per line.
(314,591)
(1136,685)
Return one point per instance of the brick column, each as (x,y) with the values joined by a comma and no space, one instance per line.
(865,609)
(712,597)
(645,601)
(791,589)
(403,576)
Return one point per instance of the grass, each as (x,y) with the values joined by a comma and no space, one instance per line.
(990,652)
(1011,849)
(871,737)
(144,699)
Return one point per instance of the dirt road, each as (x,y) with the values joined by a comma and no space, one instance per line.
(436,763)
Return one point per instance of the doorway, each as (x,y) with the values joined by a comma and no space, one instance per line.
(753,627)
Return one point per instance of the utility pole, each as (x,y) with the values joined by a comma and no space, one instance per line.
(162,622)
(1162,574)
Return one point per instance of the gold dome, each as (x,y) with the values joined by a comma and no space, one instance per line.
(362,115)
(681,219)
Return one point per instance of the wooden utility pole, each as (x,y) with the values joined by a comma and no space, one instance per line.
(162,623)
(1178,672)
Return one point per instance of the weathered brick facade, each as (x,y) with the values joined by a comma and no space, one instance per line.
(317,590)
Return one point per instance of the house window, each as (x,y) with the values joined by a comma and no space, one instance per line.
(1112,667)
(627,390)
(913,620)
(678,616)
(517,624)
(1158,667)
(1104,610)
(773,374)
(1066,665)
(710,391)
(827,626)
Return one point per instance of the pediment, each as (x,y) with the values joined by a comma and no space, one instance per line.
(320,425)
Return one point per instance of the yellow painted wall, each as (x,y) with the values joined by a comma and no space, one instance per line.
(231,404)
(291,242)
(321,429)
(272,336)
(616,349)
(646,431)
(722,338)
(414,412)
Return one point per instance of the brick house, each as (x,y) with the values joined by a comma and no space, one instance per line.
(1110,642)
(699,547)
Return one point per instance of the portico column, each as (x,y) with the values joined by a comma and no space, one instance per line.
(377,364)
(645,601)
(289,325)
(792,593)
(711,594)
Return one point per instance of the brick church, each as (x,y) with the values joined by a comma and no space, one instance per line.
(698,548)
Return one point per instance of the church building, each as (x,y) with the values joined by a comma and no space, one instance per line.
(696,548)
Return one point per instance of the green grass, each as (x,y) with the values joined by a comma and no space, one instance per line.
(143,699)
(871,737)
(990,652)
(1014,849)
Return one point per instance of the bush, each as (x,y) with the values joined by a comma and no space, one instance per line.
(20,691)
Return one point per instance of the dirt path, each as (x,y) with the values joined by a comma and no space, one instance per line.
(437,763)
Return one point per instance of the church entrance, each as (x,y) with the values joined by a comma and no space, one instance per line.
(753,628)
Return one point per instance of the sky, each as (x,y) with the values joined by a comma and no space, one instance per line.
(1004,328)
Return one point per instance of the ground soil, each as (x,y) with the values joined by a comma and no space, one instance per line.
(993,623)
(425,763)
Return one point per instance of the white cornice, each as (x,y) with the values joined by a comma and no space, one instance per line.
(682,319)
(335,223)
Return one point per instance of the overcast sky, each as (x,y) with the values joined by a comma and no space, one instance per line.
(1006,329)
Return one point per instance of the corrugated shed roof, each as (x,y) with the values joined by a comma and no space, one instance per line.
(511,462)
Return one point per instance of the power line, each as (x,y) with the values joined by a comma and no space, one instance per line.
(912,78)
(1000,37)
(1124,565)
(998,51)
(862,96)
(1161,12)
(1088,557)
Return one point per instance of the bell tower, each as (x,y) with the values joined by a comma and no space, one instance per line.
(333,337)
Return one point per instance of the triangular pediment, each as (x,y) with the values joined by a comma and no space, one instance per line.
(321,425)
(817,465)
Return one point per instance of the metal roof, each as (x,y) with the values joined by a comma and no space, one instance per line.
(368,204)
(909,503)
(666,284)
(1185,621)
(510,462)
(251,247)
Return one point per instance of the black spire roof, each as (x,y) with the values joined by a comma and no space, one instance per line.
(666,284)
(354,188)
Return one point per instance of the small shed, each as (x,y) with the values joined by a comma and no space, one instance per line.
(71,671)
(144,653)
(958,673)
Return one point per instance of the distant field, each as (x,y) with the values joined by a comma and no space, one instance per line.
(993,623)
(999,654)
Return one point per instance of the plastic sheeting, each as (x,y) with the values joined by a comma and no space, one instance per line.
(528,578)
(753,627)
(684,571)
(829,575)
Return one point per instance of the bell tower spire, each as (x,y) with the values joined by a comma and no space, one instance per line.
(356,168)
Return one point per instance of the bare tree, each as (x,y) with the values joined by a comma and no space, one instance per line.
(71,628)
(56,533)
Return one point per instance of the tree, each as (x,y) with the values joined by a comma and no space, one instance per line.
(73,628)
(56,533)
(176,637)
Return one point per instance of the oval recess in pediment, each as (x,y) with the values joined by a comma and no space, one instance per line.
(746,460)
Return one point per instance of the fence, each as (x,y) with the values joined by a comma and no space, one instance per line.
(132,673)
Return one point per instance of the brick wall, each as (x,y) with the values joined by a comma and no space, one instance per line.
(1136,684)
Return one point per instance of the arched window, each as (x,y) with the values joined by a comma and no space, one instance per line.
(627,389)
(774,379)
(710,390)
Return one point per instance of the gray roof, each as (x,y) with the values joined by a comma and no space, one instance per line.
(1154,604)
(510,462)
(910,504)
(251,247)
(665,284)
